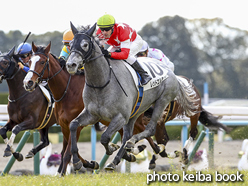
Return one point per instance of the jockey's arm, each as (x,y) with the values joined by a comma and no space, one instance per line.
(24,68)
(64,53)
(125,49)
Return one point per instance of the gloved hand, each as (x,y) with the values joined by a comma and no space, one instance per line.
(62,61)
(20,65)
(106,53)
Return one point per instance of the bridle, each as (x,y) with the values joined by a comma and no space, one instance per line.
(8,74)
(87,57)
(40,76)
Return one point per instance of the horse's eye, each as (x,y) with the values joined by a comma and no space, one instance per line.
(6,63)
(42,62)
(84,45)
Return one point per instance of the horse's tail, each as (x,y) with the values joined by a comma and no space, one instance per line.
(211,121)
(188,103)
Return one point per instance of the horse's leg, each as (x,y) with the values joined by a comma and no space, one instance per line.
(127,133)
(9,150)
(62,156)
(115,125)
(3,131)
(151,127)
(83,119)
(44,142)
(193,133)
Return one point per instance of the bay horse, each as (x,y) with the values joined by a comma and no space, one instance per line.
(26,110)
(113,99)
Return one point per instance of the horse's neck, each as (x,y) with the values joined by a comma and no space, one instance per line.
(97,72)
(59,80)
(16,84)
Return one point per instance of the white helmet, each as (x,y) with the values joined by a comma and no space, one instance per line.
(144,47)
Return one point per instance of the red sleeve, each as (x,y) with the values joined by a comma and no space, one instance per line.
(120,55)
(99,34)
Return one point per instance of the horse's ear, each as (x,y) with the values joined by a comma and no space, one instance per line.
(91,30)
(11,52)
(47,49)
(74,29)
(34,47)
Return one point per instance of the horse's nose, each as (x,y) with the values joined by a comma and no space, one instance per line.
(71,65)
(28,85)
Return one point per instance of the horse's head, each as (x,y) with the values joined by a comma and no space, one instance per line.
(7,65)
(81,48)
(39,67)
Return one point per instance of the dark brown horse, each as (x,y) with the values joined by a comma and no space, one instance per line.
(26,110)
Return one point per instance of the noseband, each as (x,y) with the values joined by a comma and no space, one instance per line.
(87,56)
(40,76)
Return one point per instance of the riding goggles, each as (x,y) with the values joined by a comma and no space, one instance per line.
(140,54)
(106,29)
(23,55)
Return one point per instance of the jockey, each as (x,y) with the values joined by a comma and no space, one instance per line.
(24,52)
(125,43)
(155,53)
(67,37)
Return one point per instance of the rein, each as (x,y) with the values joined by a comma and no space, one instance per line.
(87,58)
(110,67)
(47,79)
(111,70)
(64,91)
(15,100)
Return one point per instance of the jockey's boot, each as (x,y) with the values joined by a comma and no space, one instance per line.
(145,77)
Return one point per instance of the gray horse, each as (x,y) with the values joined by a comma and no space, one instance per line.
(111,94)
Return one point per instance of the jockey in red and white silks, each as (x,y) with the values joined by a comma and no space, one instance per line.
(124,43)
(123,38)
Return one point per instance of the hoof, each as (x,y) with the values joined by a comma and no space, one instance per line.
(18,156)
(110,167)
(163,154)
(129,146)
(177,153)
(77,166)
(141,148)
(152,166)
(95,165)
(7,152)
(112,148)
(133,158)
(29,155)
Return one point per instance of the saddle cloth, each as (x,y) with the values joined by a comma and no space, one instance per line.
(156,69)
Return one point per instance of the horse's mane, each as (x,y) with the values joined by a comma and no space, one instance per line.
(83,29)
(40,49)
